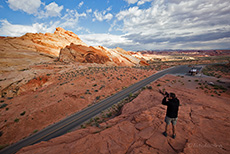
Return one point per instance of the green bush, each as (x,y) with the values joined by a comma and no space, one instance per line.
(3,105)
(23,113)
(35,131)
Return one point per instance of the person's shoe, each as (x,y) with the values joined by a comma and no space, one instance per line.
(174,136)
(165,134)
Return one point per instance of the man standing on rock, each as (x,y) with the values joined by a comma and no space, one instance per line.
(172,112)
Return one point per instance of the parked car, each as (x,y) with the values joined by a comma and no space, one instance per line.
(193,71)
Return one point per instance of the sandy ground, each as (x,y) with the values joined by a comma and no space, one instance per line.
(202,127)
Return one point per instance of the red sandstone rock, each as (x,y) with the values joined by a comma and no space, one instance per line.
(202,126)
(83,54)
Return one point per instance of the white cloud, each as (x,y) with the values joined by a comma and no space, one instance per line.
(108,16)
(8,29)
(53,10)
(131,1)
(143,1)
(109,8)
(80,4)
(28,6)
(89,10)
(101,16)
(70,19)
(107,40)
(169,23)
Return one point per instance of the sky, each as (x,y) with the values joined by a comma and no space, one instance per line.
(130,24)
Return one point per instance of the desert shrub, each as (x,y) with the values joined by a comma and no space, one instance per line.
(23,113)
(98,97)
(3,105)
(102,87)
(16,120)
(83,126)
(149,87)
(35,131)
(159,85)
(109,114)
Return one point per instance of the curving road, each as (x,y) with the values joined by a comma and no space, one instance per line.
(78,118)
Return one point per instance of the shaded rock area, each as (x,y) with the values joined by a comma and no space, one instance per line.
(83,54)
(202,127)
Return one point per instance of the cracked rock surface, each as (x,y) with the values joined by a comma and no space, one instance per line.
(202,127)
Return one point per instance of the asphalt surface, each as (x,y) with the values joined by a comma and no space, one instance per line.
(78,118)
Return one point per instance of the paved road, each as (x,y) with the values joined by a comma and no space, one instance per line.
(78,118)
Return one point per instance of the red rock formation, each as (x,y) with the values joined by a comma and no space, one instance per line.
(201,128)
(143,63)
(52,43)
(83,54)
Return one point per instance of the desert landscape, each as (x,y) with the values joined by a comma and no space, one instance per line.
(48,77)
(202,125)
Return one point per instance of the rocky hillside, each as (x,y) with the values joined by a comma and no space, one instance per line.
(44,43)
(99,55)
(23,58)
(202,125)
(71,46)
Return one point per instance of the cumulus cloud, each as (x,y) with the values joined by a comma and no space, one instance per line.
(28,6)
(143,1)
(101,16)
(70,19)
(107,40)
(32,7)
(53,10)
(8,29)
(89,10)
(176,22)
(131,1)
(80,4)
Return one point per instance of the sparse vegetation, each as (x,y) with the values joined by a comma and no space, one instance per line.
(35,131)
(23,113)
(3,146)
(216,70)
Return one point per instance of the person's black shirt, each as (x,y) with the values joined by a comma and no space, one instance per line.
(172,107)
